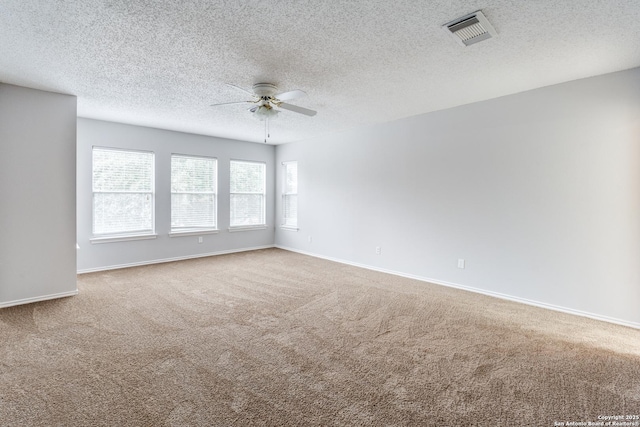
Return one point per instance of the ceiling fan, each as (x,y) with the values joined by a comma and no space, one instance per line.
(264,98)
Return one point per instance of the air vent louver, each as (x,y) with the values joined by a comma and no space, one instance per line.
(470,29)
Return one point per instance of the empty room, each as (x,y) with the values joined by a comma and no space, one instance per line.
(275,213)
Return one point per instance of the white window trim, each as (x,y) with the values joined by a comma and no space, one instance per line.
(284,194)
(190,231)
(136,235)
(247,228)
(233,228)
(122,238)
(194,232)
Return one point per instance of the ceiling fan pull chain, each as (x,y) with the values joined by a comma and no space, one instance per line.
(266,133)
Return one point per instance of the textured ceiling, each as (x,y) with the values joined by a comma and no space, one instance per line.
(161,63)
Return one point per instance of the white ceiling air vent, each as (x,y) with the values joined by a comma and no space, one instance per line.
(470,29)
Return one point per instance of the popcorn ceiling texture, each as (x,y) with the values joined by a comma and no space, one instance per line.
(162,63)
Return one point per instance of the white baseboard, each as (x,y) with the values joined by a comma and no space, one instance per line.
(163,260)
(476,290)
(37,299)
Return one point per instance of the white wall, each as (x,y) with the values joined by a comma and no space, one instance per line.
(37,195)
(539,192)
(163,143)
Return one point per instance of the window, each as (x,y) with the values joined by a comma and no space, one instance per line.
(193,193)
(123,192)
(290,195)
(247,194)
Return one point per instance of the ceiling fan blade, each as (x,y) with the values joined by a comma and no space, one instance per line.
(231,103)
(292,94)
(240,89)
(297,109)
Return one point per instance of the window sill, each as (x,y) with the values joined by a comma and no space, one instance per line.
(193,232)
(121,238)
(289,228)
(247,228)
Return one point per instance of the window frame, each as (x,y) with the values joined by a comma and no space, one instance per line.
(263,225)
(118,236)
(286,194)
(194,230)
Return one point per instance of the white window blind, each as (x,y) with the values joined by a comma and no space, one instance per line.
(193,193)
(123,191)
(247,194)
(290,195)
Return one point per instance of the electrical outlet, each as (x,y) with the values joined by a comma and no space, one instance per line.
(460,263)
(310,239)
(200,239)
(378,250)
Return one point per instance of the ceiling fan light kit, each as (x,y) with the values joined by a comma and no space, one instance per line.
(264,112)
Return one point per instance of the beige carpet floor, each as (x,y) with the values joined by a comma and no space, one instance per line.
(276,338)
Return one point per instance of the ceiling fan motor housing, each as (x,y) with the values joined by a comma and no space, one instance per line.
(265,89)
